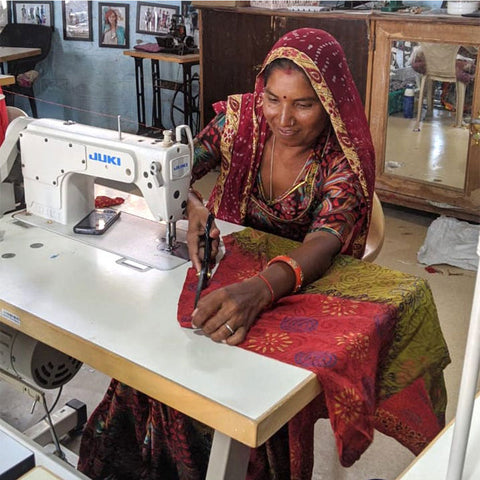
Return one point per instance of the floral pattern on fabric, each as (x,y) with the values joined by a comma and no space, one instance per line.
(355,319)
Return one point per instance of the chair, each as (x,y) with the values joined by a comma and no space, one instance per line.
(440,64)
(15,112)
(25,35)
(376,233)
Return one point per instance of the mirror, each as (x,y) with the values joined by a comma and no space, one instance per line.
(425,139)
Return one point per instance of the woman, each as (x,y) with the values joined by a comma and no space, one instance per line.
(113,33)
(296,160)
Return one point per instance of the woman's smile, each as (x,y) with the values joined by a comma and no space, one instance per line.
(292,108)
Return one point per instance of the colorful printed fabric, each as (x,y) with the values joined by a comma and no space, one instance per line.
(370,334)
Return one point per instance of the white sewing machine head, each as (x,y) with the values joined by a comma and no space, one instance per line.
(61,159)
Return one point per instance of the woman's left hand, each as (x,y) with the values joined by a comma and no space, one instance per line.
(227,314)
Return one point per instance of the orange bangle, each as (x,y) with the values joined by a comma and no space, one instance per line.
(267,283)
(297,270)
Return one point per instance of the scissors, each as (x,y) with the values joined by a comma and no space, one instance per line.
(205,272)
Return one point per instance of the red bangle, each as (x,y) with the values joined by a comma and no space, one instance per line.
(267,283)
(297,270)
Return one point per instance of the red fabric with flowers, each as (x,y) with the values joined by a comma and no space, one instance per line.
(342,339)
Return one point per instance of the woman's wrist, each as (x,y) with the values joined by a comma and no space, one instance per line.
(192,193)
(264,291)
(269,288)
(295,268)
(194,201)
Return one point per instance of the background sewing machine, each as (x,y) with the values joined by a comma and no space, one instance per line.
(60,161)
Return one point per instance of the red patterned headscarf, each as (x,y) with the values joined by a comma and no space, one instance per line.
(322,59)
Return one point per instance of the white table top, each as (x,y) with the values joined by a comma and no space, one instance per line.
(123,322)
(432,463)
(52,463)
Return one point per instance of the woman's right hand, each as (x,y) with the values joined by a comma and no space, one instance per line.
(197,219)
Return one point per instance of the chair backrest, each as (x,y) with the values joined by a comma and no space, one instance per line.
(376,233)
(14,112)
(26,35)
(440,60)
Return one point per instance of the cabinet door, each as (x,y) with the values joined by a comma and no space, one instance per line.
(431,161)
(352,34)
(233,47)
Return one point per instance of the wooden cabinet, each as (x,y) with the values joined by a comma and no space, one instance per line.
(235,41)
(433,166)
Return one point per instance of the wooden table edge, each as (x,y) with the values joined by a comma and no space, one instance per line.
(245,430)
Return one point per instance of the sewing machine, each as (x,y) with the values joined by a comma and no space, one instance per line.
(60,161)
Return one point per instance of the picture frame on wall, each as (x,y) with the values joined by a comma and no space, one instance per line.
(113,20)
(36,13)
(5,14)
(77,20)
(155,18)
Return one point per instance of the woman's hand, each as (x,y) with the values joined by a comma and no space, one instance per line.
(197,219)
(227,314)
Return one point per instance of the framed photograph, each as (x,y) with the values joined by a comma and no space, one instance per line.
(155,18)
(113,25)
(38,13)
(77,20)
(5,14)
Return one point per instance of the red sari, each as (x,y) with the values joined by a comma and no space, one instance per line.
(246,131)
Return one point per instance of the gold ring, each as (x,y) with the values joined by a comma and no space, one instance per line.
(229,328)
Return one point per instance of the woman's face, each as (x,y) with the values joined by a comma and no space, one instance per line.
(111,18)
(292,109)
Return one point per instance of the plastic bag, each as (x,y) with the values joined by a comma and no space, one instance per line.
(450,241)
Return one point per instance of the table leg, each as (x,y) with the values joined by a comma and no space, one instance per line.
(140,87)
(228,459)
(468,388)
(187,95)
(157,96)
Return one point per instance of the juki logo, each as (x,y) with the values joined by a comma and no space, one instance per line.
(104,158)
(178,167)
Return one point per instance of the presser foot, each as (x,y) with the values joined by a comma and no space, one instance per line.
(178,249)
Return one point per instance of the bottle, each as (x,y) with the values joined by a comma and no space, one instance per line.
(408,101)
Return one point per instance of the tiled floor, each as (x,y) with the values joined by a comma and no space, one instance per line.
(453,291)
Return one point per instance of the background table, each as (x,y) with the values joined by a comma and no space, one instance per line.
(187,62)
(8,54)
(7,80)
